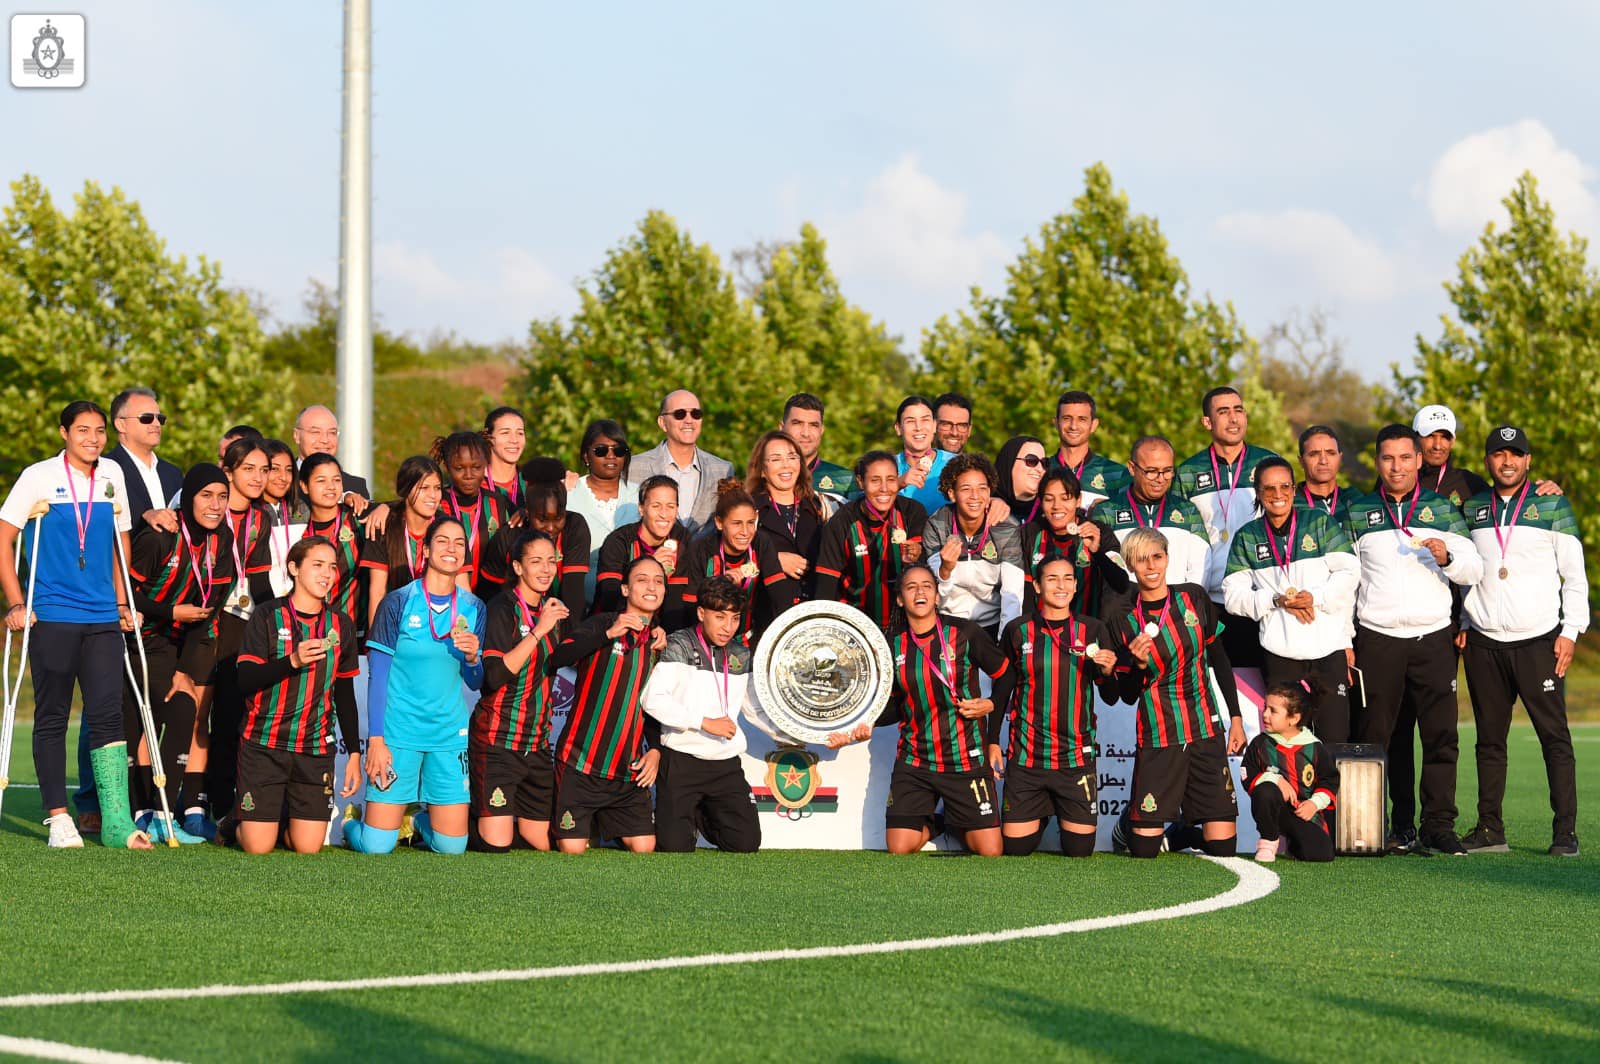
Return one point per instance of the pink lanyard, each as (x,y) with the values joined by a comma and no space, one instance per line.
(983,540)
(1160,622)
(1510,526)
(1161,511)
(722,562)
(1333,500)
(512,487)
(241,533)
(522,608)
(1403,526)
(888,520)
(1288,547)
(429,603)
(711,660)
(194,563)
(940,663)
(1216,478)
(1072,640)
(82,518)
(1438,484)
(411,558)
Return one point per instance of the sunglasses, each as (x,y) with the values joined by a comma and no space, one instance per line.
(683,412)
(610,450)
(1032,461)
(148,419)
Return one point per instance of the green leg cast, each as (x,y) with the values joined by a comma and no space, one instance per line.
(111,781)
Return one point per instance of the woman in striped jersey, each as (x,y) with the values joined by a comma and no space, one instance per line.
(507,432)
(937,703)
(1057,659)
(871,541)
(735,547)
(297,667)
(1171,646)
(657,534)
(178,582)
(603,772)
(322,489)
(513,775)
(465,457)
(1060,530)
(398,555)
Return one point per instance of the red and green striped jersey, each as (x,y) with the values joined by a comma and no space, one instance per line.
(482,515)
(1304,762)
(511,493)
(1096,579)
(514,708)
(1176,702)
(860,561)
(932,672)
(604,733)
(168,572)
(572,559)
(296,713)
(619,550)
(1052,697)
(757,570)
(348,543)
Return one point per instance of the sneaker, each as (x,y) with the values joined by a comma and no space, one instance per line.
(1401,841)
(63,834)
(1564,846)
(1444,842)
(1481,840)
(1266,850)
(158,832)
(196,823)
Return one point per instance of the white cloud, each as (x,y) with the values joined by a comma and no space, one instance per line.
(1474,174)
(910,228)
(414,269)
(524,278)
(497,293)
(1316,250)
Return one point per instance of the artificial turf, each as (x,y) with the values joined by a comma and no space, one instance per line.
(1491,956)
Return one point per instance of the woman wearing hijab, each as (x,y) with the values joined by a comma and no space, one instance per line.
(1020,465)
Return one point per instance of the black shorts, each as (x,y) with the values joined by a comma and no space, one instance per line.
(274,782)
(1195,779)
(1038,793)
(589,806)
(969,799)
(506,783)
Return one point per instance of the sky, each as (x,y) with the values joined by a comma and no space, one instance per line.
(1296,156)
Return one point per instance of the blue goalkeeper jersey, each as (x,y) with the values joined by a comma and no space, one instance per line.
(426,704)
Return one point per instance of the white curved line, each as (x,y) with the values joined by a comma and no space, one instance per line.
(1254,883)
(42,1050)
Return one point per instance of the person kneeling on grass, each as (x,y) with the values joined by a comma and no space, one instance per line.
(297,668)
(1171,646)
(1291,776)
(942,721)
(1057,660)
(603,772)
(513,776)
(423,646)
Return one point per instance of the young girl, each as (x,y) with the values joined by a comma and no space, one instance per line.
(322,488)
(465,456)
(658,534)
(398,557)
(178,582)
(297,667)
(513,776)
(788,509)
(507,433)
(422,647)
(736,548)
(1292,778)
(870,541)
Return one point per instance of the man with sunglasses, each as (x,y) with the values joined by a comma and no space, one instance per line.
(678,456)
(137,420)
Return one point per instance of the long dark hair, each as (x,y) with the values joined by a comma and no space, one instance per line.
(411,473)
(756,481)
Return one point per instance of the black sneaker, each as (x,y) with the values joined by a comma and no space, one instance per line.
(1564,846)
(1481,840)
(1401,841)
(1444,842)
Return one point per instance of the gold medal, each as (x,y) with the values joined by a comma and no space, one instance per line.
(462,624)
(1290,592)
(243,602)
(1504,572)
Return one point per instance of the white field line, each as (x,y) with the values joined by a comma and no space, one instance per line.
(1254,883)
(42,1050)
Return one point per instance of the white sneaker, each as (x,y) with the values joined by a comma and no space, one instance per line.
(63,833)
(1266,852)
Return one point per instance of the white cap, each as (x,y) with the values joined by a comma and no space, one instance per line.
(1431,419)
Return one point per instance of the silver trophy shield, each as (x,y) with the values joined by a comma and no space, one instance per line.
(823,667)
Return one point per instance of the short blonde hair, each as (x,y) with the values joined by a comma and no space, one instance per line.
(1141,543)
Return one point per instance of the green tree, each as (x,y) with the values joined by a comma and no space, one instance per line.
(1097,302)
(1523,347)
(1302,360)
(91,303)
(660,313)
(837,350)
(312,345)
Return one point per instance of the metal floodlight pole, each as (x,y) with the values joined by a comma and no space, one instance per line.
(355,245)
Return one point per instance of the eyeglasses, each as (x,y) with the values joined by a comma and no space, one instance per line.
(1032,461)
(147,418)
(956,426)
(1156,474)
(610,450)
(683,412)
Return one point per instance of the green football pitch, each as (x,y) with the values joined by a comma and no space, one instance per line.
(1485,957)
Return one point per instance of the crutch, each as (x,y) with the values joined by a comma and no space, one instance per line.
(13,688)
(141,694)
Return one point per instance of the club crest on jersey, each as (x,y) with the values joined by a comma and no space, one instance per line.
(111,490)
(1191,618)
(989,554)
(1308,543)
(567,823)
(248,802)
(1531,513)
(493,526)
(1177,517)
(1308,775)
(1099,481)
(1148,805)
(498,798)
(826,483)
(1426,515)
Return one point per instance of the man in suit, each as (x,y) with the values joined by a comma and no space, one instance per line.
(677,456)
(316,431)
(137,420)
